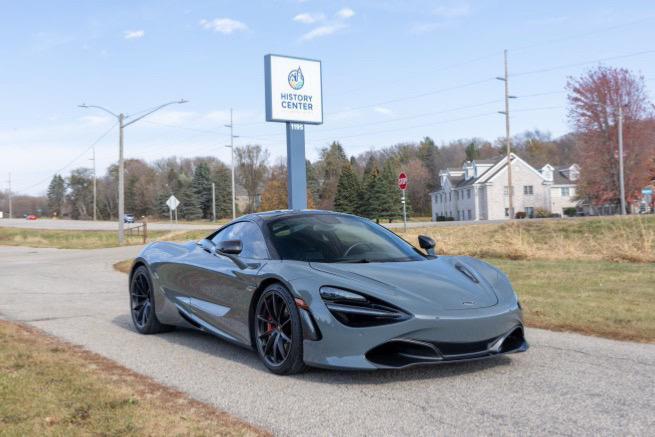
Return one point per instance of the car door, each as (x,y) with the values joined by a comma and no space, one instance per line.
(221,290)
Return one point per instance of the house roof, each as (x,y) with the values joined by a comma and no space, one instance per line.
(559,178)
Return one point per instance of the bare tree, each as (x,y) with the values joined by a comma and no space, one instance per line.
(594,101)
(251,163)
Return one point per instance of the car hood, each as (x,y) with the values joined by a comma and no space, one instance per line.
(447,283)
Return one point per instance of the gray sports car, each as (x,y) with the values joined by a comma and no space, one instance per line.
(325,289)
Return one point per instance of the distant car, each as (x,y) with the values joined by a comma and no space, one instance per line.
(31,217)
(128,218)
(327,290)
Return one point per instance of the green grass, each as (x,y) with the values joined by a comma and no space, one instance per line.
(615,300)
(48,387)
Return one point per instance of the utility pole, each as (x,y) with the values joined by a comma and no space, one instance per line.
(621,180)
(508,139)
(121,166)
(213,201)
(11,210)
(231,147)
(95,192)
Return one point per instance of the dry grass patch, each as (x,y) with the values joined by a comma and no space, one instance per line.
(48,387)
(622,239)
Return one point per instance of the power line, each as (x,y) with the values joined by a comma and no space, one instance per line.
(71,162)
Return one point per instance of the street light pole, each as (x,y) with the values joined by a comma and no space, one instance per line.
(121,166)
(508,138)
(11,210)
(621,179)
(231,147)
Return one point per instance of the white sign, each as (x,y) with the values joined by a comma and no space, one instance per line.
(294,91)
(172,203)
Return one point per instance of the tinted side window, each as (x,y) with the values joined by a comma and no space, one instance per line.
(251,238)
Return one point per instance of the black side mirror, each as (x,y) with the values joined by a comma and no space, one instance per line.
(230,247)
(426,243)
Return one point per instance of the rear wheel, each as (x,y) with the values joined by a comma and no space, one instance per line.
(142,304)
(278,331)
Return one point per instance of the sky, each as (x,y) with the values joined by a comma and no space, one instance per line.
(393,71)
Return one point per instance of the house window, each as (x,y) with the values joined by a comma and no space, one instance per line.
(468,193)
(529,211)
(528,189)
(506,212)
(468,213)
(566,192)
(507,191)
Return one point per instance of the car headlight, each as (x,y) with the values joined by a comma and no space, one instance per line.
(357,310)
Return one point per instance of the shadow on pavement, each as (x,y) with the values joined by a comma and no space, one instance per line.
(211,345)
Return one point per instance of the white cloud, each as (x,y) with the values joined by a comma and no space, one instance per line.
(383,110)
(307,18)
(452,10)
(345,13)
(332,27)
(320,31)
(225,26)
(134,34)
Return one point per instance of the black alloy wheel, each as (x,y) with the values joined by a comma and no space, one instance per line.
(278,331)
(142,304)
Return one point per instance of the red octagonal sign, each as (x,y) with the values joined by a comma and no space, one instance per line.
(402,181)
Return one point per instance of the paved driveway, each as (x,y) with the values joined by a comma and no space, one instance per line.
(565,384)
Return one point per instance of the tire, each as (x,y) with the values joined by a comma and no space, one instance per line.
(142,304)
(278,331)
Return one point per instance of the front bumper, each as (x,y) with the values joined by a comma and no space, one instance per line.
(455,335)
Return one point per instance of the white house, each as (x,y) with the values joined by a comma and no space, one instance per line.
(478,190)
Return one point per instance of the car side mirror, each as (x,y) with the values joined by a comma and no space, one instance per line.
(428,244)
(230,247)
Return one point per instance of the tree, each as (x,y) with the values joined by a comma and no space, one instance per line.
(348,191)
(329,167)
(275,195)
(390,195)
(430,155)
(251,163)
(594,101)
(56,195)
(201,185)
(222,178)
(472,152)
(418,194)
(80,192)
(190,205)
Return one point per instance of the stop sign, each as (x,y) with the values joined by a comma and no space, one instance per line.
(402,181)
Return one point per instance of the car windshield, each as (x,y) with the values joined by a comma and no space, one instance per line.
(331,238)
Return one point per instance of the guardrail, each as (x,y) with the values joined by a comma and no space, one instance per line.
(138,230)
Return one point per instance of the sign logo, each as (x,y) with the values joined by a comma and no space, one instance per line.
(296,79)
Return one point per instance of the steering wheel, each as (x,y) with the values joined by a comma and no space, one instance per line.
(347,252)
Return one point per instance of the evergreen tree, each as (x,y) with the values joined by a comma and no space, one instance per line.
(56,195)
(348,191)
(189,208)
(313,185)
(222,177)
(390,199)
(201,185)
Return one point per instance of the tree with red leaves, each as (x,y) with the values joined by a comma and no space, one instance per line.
(594,100)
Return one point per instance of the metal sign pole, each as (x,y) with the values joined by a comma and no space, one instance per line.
(404,211)
(296,167)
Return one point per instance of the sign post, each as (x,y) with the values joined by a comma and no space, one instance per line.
(402,184)
(172,204)
(294,95)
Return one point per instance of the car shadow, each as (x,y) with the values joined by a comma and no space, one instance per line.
(211,345)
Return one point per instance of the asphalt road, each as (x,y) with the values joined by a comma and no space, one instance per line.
(566,384)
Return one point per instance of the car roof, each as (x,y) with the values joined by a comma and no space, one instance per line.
(273,215)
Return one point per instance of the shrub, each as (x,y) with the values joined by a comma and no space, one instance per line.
(441,218)
(520,215)
(570,211)
(541,213)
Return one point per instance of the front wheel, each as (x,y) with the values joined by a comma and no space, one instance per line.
(278,331)
(142,304)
